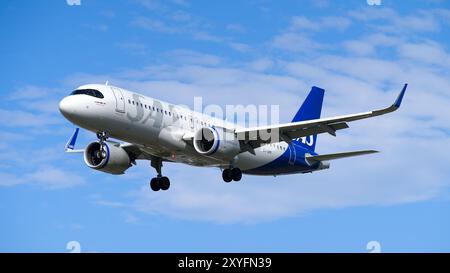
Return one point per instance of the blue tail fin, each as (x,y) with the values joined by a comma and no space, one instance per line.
(310,109)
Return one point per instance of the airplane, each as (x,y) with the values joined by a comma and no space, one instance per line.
(158,131)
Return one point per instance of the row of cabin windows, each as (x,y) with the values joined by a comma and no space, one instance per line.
(279,147)
(167,113)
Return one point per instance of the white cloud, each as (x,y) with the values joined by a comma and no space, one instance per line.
(181,16)
(107,203)
(153,5)
(428,52)
(134,48)
(372,44)
(240,47)
(184,56)
(390,21)
(52,178)
(295,42)
(11,137)
(154,25)
(205,36)
(359,47)
(297,36)
(31,92)
(48,178)
(299,23)
(18,118)
(9,179)
(320,3)
(261,64)
(335,22)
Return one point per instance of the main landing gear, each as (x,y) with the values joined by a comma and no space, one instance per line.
(159,182)
(231,174)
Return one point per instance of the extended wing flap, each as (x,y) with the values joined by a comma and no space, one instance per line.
(315,129)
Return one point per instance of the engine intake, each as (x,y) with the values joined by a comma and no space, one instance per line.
(206,141)
(111,159)
(217,143)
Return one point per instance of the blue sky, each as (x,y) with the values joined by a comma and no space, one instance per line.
(229,52)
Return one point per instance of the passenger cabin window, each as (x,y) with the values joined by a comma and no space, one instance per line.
(89,92)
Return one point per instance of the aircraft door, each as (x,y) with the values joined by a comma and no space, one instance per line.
(120,101)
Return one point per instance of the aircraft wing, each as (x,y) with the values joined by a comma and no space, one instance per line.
(137,152)
(133,150)
(289,131)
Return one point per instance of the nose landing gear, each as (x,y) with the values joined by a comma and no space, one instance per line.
(102,138)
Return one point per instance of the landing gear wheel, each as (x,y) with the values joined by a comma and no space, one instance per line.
(236,174)
(159,182)
(164,183)
(226,175)
(154,184)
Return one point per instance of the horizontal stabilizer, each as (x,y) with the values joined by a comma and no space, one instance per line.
(338,155)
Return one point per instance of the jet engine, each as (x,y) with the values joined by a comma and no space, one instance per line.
(111,158)
(216,142)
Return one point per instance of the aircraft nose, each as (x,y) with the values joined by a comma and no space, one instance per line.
(67,107)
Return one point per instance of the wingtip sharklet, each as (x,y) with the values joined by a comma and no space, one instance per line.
(399,99)
(72,141)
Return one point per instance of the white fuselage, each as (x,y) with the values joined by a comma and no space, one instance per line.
(157,127)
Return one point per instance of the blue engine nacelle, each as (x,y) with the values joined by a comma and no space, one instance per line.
(216,142)
(111,159)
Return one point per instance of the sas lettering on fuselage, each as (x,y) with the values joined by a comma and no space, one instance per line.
(308,140)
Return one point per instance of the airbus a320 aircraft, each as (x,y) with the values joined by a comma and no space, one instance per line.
(163,132)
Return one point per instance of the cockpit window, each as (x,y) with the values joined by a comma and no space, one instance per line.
(89,92)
